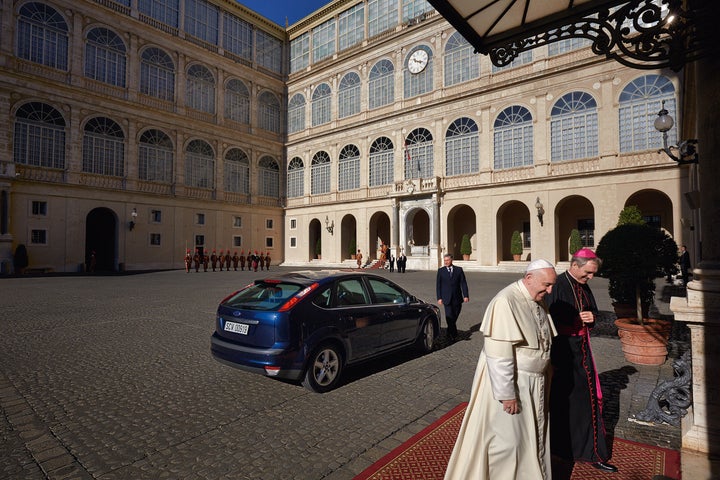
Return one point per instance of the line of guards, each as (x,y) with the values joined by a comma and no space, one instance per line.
(225,260)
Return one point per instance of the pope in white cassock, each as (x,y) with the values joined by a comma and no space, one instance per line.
(505,432)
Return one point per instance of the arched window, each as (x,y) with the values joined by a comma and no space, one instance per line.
(381,162)
(34,121)
(419,154)
(269,177)
(320,173)
(419,82)
(461,63)
(105,57)
(349,168)
(574,127)
(381,87)
(237,102)
(296,178)
(155,157)
(199,165)
(321,99)
(200,89)
(157,74)
(349,95)
(640,101)
(269,112)
(462,147)
(103,147)
(42,36)
(236,169)
(513,138)
(296,113)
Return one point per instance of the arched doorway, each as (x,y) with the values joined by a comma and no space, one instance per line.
(101,238)
(315,236)
(513,216)
(417,224)
(379,231)
(574,212)
(461,221)
(348,237)
(656,208)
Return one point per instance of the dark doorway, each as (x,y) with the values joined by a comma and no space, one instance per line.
(100,235)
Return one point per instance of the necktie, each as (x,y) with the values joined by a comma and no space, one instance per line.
(450,271)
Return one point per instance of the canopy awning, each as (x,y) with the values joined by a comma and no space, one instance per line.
(639,33)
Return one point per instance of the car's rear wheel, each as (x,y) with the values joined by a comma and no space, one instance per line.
(426,340)
(324,368)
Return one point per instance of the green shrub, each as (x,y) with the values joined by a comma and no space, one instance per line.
(575,241)
(516,244)
(465,246)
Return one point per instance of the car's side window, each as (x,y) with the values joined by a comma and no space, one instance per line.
(322,299)
(385,293)
(351,292)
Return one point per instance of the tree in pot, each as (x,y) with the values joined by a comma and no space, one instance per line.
(516,246)
(353,248)
(575,241)
(318,248)
(633,256)
(465,247)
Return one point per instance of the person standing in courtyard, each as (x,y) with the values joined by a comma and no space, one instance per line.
(401,261)
(577,430)
(504,433)
(685,265)
(452,291)
(358,257)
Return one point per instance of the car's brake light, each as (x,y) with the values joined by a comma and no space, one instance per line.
(297,297)
(271,281)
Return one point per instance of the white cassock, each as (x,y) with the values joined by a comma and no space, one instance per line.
(514,363)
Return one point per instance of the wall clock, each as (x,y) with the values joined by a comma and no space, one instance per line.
(418,61)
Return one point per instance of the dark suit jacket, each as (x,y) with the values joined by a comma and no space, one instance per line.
(451,289)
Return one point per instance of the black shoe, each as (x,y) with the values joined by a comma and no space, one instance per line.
(606,467)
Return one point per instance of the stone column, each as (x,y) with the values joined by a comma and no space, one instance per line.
(701,309)
(395,240)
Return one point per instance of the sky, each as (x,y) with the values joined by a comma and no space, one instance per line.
(278,10)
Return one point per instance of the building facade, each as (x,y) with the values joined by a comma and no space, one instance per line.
(399,135)
(136,130)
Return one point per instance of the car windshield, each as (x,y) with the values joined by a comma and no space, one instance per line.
(263,296)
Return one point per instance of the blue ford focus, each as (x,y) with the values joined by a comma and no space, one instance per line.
(307,326)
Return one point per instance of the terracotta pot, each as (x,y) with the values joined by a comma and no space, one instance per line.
(644,344)
(517,257)
(466,257)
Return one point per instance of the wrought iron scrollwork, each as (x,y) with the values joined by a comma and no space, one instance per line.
(669,401)
(643,34)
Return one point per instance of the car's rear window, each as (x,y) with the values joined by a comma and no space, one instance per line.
(263,296)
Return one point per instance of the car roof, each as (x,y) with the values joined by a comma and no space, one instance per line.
(312,276)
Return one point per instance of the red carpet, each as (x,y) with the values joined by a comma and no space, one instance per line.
(425,457)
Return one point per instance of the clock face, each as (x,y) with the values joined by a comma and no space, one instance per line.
(418,61)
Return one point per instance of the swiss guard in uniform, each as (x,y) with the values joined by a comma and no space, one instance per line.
(196,260)
(235,260)
(267,261)
(221,260)
(261,261)
(213,260)
(206,260)
(242,259)
(255,261)
(228,260)
(188,261)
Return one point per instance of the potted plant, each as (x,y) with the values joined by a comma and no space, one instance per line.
(465,247)
(633,256)
(516,246)
(352,248)
(575,241)
(318,249)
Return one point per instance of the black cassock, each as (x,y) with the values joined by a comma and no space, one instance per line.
(577,430)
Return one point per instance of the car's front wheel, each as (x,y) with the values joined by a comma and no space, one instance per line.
(324,368)
(426,340)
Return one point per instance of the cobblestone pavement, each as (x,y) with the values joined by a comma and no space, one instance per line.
(111,377)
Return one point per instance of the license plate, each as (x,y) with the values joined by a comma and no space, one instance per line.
(241,328)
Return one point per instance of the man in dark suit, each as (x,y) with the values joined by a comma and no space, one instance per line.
(685,265)
(401,261)
(452,292)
